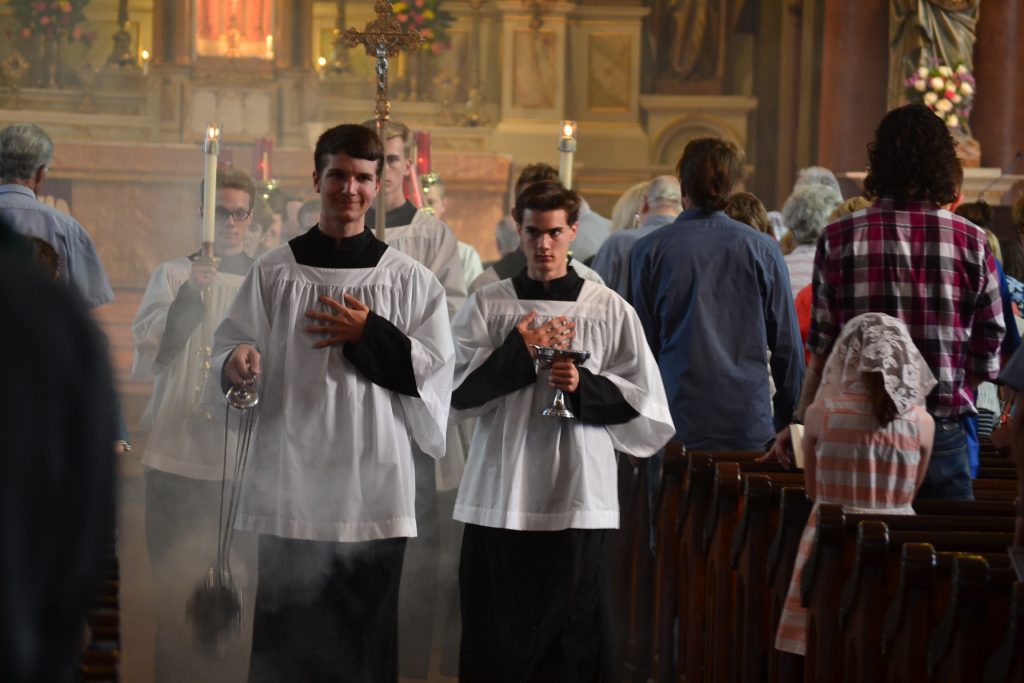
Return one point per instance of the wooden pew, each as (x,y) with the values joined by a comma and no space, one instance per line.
(927,616)
(794,509)
(634,564)
(101,657)
(832,560)
(1006,665)
(727,509)
(873,582)
(690,567)
(976,616)
(666,554)
(749,558)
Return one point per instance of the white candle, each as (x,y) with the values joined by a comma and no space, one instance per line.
(210,151)
(566,149)
(145,62)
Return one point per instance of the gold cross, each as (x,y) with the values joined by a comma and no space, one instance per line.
(383,37)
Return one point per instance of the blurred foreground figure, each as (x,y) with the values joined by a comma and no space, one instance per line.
(58,422)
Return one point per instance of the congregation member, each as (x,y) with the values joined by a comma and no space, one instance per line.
(807,212)
(713,296)
(58,420)
(26,152)
(660,204)
(626,211)
(184,457)
(908,257)
(349,342)
(1012,377)
(308,214)
(745,207)
(867,439)
(539,494)
(513,260)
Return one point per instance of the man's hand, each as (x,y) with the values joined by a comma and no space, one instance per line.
(345,324)
(203,275)
(781,451)
(243,364)
(565,376)
(557,332)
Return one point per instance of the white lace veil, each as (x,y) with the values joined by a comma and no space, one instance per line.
(875,342)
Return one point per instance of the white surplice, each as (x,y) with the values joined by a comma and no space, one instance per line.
(526,471)
(332,452)
(428,240)
(184,438)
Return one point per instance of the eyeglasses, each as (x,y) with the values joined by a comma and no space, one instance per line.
(222,214)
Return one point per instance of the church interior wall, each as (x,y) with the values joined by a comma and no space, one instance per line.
(796,86)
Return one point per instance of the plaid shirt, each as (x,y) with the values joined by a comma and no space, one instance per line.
(926,266)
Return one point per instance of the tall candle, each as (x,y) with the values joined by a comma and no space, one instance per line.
(566,149)
(261,158)
(423,161)
(210,150)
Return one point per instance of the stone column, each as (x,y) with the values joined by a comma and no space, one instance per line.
(293,34)
(855,61)
(171,33)
(999,71)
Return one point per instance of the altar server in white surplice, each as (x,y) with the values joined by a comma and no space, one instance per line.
(539,494)
(184,457)
(350,345)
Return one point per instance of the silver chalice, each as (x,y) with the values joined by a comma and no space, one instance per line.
(546,356)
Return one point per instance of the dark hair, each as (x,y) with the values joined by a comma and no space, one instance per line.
(747,208)
(47,256)
(913,157)
(535,173)
(351,139)
(1017,212)
(881,404)
(979,213)
(708,170)
(1013,259)
(547,196)
(232,178)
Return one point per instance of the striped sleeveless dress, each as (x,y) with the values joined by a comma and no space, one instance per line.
(865,468)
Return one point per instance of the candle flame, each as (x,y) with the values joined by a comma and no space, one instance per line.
(568,130)
(145,55)
(322,61)
(212,132)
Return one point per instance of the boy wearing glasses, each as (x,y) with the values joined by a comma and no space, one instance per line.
(173,330)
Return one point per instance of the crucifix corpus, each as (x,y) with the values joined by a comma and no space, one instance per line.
(383,37)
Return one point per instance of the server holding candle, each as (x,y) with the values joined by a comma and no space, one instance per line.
(184,458)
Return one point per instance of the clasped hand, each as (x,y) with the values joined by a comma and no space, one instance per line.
(556,333)
(345,323)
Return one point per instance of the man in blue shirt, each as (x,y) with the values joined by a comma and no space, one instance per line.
(26,152)
(714,299)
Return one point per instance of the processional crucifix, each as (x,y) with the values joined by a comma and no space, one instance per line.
(383,37)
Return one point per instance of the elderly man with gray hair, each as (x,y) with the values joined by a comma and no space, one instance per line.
(660,204)
(806,213)
(26,152)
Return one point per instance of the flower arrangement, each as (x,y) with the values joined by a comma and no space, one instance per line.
(53,19)
(949,92)
(427,17)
